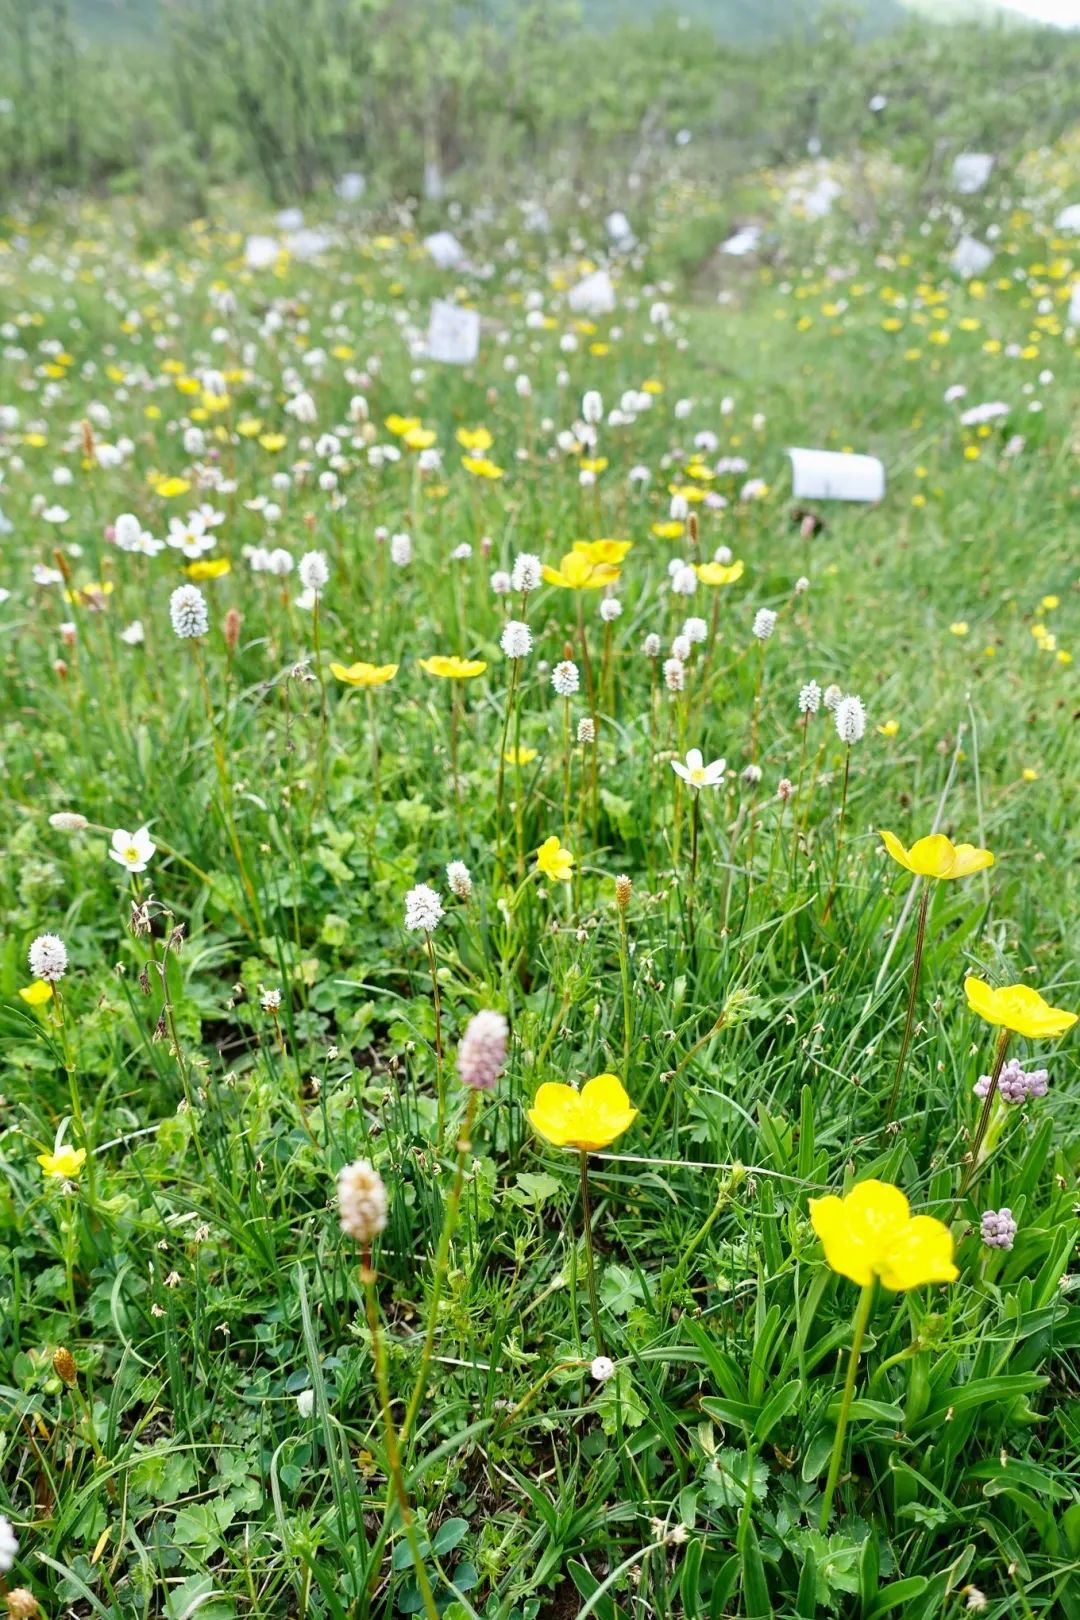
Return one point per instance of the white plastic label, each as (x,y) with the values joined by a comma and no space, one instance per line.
(971,171)
(826,475)
(593,296)
(453,334)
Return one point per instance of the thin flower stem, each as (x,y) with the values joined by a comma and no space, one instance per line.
(519,812)
(909,1022)
(586,1216)
(442,1260)
(695,818)
(755,713)
(454,720)
(984,1117)
(567,757)
(393,1454)
(814,774)
(440,1087)
(320,766)
(624,970)
(73,1086)
(225,787)
(862,1316)
(839,837)
(531,1393)
(500,782)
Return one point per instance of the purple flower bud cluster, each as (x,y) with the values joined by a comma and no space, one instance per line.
(998,1229)
(1014,1085)
(482,1052)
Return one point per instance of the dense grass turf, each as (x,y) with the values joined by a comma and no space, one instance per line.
(219,1447)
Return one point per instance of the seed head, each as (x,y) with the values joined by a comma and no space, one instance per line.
(516,639)
(188,612)
(998,1229)
(64,1367)
(482,1053)
(565,678)
(526,574)
(68,821)
(314,571)
(850,720)
(459,879)
(674,674)
(48,958)
(423,908)
(623,891)
(362,1202)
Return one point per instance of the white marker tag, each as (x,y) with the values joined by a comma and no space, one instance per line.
(453,334)
(826,475)
(971,171)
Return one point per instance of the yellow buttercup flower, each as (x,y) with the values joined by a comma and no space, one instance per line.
(453,668)
(554,861)
(361,674)
(474,438)
(714,573)
(66,1162)
(400,425)
(937,856)
(481,467)
(670,529)
(577,572)
(872,1233)
(520,756)
(209,568)
(249,428)
(92,594)
(602,551)
(170,487)
(1017,1007)
(419,438)
(889,728)
(589,1119)
(272,442)
(36,994)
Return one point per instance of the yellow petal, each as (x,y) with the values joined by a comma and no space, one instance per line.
(980,998)
(605,1091)
(968,858)
(845,1250)
(895,849)
(921,1253)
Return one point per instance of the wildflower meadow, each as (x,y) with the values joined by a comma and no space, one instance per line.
(540,887)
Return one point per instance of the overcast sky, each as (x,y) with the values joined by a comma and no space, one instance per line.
(1066,13)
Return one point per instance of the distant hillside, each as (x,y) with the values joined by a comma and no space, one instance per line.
(112,21)
(116,21)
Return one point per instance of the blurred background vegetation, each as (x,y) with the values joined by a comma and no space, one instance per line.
(170,99)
